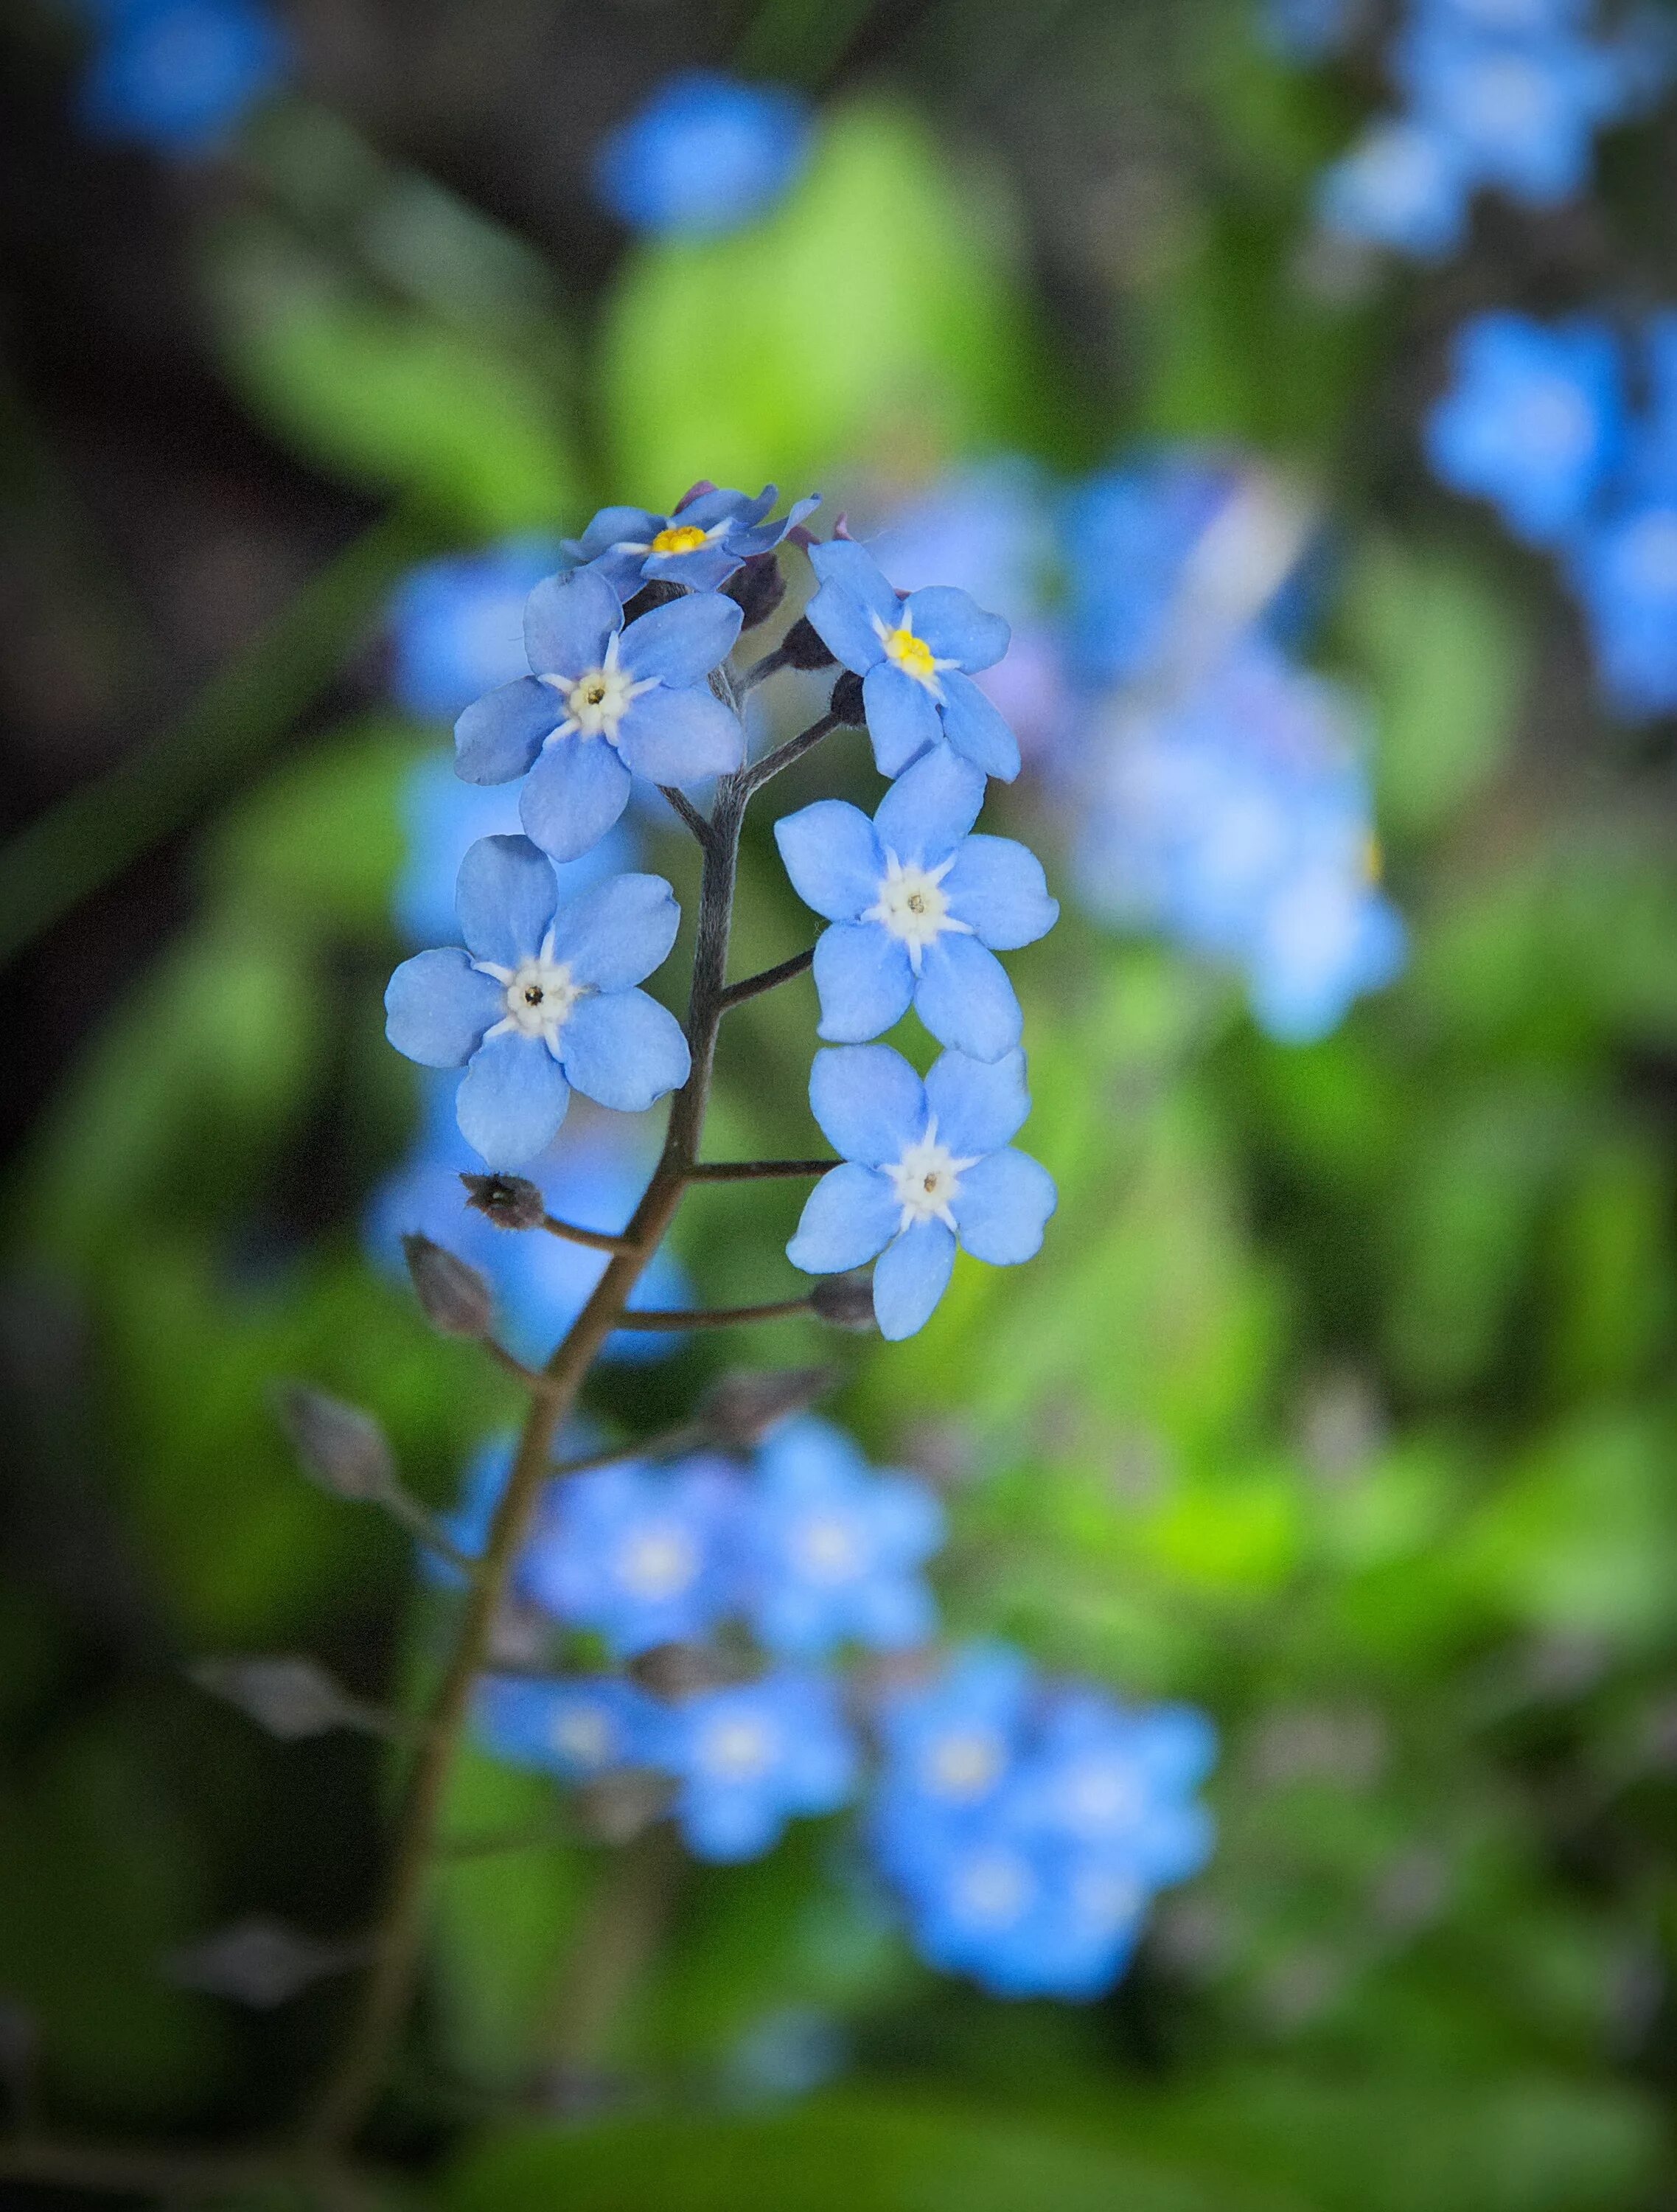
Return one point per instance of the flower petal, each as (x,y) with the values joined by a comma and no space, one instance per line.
(1000,1207)
(865,982)
(567,621)
(763,536)
(965,998)
(505,895)
(681,737)
(500,734)
(739,509)
(615,525)
(979,1104)
(976,729)
(854,588)
(575,791)
(869,1101)
(680,643)
(957,628)
(623,1050)
(931,807)
(850,1215)
(702,570)
(901,717)
(832,857)
(437,1006)
(511,1101)
(616,933)
(912,1275)
(998,885)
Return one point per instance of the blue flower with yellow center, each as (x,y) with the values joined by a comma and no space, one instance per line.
(710,534)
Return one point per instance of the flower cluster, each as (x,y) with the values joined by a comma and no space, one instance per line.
(180,75)
(706,155)
(1537,419)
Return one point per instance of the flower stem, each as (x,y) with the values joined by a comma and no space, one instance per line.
(679,1317)
(767,978)
(758,773)
(754,1170)
(597,1240)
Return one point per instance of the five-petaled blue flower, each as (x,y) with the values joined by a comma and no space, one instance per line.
(1403,185)
(706,155)
(602,700)
(834,1548)
(924,1164)
(1625,570)
(749,1756)
(709,535)
(180,75)
(915,904)
(915,656)
(541,999)
(576,1728)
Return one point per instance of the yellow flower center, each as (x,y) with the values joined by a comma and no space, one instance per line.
(912,655)
(678,537)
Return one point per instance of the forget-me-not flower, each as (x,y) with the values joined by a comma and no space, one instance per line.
(180,75)
(1119,1781)
(1521,111)
(706,155)
(749,1757)
(575,1728)
(1402,184)
(1624,571)
(924,1165)
(602,701)
(835,1547)
(710,534)
(456,624)
(916,657)
(918,907)
(541,999)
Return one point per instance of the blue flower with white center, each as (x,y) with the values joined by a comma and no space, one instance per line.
(749,1757)
(576,1729)
(918,908)
(1324,939)
(604,700)
(456,625)
(711,533)
(1118,1783)
(916,657)
(706,155)
(1521,111)
(1533,419)
(1624,571)
(924,1166)
(541,999)
(950,1744)
(1403,185)
(834,1548)
(181,74)
(643,1556)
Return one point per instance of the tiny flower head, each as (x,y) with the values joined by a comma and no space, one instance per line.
(577,1729)
(710,534)
(916,905)
(602,701)
(1403,185)
(1625,570)
(180,75)
(916,657)
(541,998)
(706,155)
(924,1165)
(749,1757)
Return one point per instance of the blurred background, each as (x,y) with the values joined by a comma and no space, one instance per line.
(1300,380)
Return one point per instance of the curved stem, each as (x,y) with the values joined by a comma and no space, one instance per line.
(755,1170)
(767,978)
(755,776)
(678,1317)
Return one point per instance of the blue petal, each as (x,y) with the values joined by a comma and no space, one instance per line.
(617,933)
(912,1275)
(736,509)
(865,982)
(505,895)
(894,1614)
(623,1050)
(575,791)
(976,730)
(931,807)
(965,998)
(901,717)
(702,570)
(500,734)
(1000,1207)
(852,590)
(955,626)
(999,887)
(832,857)
(850,1215)
(869,1101)
(568,619)
(726,1825)
(437,1007)
(615,525)
(681,642)
(681,737)
(764,537)
(512,1099)
(979,1105)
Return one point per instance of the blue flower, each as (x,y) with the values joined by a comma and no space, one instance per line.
(644,1557)
(915,903)
(1403,185)
(1323,940)
(1521,111)
(1533,420)
(457,624)
(916,657)
(749,1757)
(706,155)
(924,1164)
(833,1547)
(575,1728)
(950,1744)
(1652,467)
(602,701)
(1117,1782)
(1308,30)
(1625,570)
(541,999)
(180,75)
(709,535)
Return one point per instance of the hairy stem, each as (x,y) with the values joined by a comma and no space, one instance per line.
(759,772)
(681,1317)
(767,978)
(755,1170)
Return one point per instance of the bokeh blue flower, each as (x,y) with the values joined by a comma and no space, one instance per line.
(749,1756)
(180,76)
(456,624)
(574,1727)
(706,154)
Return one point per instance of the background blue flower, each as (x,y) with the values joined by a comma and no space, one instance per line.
(749,1756)
(576,1727)
(456,624)
(705,154)
(699,544)
(181,74)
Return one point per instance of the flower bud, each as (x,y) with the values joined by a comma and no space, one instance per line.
(757,588)
(617,1808)
(291,1697)
(671,1671)
(803,646)
(847,699)
(657,592)
(844,1301)
(454,1297)
(260,1962)
(510,1201)
(739,1408)
(343,1449)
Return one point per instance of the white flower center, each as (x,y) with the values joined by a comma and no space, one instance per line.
(582,1733)
(965,1764)
(540,994)
(597,701)
(657,1562)
(1103,1796)
(912,907)
(1508,98)
(926,1180)
(827,1549)
(996,1887)
(738,1748)
(1556,422)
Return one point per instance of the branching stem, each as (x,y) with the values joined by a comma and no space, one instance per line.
(794,749)
(680,1318)
(597,1240)
(755,1170)
(767,978)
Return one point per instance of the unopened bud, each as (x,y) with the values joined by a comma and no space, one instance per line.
(291,1697)
(757,588)
(656,592)
(510,1201)
(844,1301)
(343,1449)
(847,700)
(670,1671)
(738,1409)
(803,646)
(617,1808)
(453,1298)
(260,1962)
